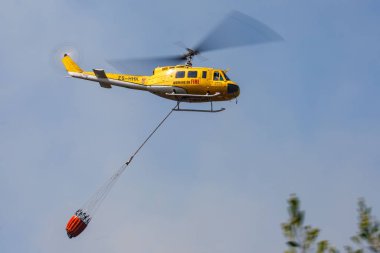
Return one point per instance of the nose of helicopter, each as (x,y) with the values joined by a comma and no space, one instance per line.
(233,88)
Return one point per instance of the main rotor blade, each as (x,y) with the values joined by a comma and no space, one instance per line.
(236,30)
(144,65)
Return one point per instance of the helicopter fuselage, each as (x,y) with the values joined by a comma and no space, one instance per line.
(179,83)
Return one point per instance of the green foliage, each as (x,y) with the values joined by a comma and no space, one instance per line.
(324,246)
(302,238)
(368,236)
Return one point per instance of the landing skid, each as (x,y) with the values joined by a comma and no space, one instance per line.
(196,110)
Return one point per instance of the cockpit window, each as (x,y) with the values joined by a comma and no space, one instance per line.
(225,75)
(218,76)
(180,74)
(221,78)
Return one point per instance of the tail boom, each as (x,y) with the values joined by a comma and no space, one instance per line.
(104,79)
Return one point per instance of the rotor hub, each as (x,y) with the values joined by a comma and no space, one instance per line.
(189,56)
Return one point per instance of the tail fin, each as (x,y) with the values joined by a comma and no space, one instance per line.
(70,65)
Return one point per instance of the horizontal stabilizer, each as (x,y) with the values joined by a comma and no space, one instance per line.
(99,73)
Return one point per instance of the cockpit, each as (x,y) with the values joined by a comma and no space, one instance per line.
(220,76)
(232,88)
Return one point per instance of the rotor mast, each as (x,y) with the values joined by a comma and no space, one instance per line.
(189,56)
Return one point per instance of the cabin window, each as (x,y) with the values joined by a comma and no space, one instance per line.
(204,74)
(192,74)
(180,74)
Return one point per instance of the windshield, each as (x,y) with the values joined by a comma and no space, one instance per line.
(225,75)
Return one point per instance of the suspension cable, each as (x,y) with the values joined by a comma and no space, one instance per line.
(158,126)
(95,201)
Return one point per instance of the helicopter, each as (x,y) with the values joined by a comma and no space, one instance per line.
(175,77)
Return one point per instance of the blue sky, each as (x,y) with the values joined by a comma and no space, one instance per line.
(307,122)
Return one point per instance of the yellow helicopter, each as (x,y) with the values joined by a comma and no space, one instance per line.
(185,83)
